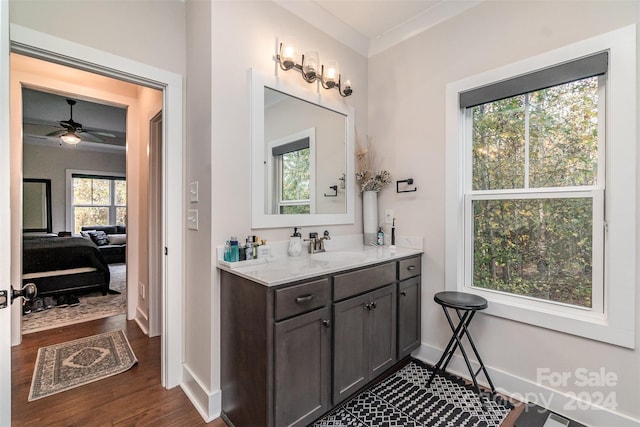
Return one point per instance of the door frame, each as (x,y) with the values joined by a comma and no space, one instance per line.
(53,49)
(5,218)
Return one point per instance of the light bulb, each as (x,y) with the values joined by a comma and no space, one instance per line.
(70,138)
(331,73)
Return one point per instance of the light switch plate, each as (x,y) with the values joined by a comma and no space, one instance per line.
(192,219)
(388,216)
(193,192)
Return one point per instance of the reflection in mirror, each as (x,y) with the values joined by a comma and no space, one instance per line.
(305,150)
(36,205)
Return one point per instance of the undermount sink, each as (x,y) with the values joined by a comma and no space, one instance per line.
(339,256)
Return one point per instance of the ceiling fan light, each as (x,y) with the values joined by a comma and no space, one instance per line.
(70,138)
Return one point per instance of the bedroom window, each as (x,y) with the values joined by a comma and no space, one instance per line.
(98,200)
(541,186)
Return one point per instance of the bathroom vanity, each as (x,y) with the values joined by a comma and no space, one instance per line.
(301,335)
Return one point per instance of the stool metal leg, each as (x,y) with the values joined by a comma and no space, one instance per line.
(458,332)
(475,351)
(452,345)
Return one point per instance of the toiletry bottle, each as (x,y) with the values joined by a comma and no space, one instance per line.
(249,250)
(235,256)
(255,247)
(242,252)
(263,250)
(295,244)
(227,251)
(380,240)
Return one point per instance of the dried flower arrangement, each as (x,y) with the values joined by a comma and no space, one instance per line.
(367,176)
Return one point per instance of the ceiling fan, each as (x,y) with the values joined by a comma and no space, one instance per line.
(73,131)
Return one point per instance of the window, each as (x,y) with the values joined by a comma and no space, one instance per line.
(98,200)
(534,196)
(538,220)
(291,166)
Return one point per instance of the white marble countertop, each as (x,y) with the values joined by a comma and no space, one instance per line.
(284,269)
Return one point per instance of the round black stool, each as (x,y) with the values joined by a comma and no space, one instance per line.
(465,305)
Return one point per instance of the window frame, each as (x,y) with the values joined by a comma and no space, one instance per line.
(70,205)
(616,323)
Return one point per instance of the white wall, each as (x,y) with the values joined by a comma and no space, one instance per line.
(407,120)
(52,162)
(200,328)
(149,31)
(244,35)
(149,104)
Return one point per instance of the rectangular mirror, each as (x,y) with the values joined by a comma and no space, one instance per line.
(36,205)
(302,157)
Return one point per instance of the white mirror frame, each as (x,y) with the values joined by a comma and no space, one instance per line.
(258,81)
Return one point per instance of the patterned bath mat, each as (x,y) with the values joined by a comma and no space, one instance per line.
(71,364)
(403,400)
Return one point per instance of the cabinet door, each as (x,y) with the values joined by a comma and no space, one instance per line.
(382,330)
(408,316)
(302,368)
(351,341)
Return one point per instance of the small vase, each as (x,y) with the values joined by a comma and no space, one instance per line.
(370,216)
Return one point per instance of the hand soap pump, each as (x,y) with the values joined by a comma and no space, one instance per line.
(295,244)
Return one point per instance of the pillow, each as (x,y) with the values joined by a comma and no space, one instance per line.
(86,233)
(99,238)
(117,239)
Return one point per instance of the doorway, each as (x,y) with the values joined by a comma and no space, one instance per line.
(38,45)
(87,191)
(115,109)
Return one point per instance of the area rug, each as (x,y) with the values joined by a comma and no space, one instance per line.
(64,366)
(404,400)
(93,305)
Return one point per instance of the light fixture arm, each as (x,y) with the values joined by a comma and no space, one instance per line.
(287,64)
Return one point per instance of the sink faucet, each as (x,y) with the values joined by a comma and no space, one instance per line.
(316,244)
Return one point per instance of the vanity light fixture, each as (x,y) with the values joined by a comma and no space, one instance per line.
(311,70)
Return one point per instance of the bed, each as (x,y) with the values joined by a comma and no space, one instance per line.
(59,265)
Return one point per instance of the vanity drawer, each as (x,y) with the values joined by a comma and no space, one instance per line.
(301,298)
(409,268)
(360,281)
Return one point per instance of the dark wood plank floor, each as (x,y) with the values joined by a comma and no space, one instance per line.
(133,398)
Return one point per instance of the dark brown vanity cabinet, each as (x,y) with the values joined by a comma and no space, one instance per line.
(302,368)
(364,340)
(291,353)
(409,318)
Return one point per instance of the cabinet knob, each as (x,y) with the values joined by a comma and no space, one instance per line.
(403,293)
(411,267)
(367,306)
(326,323)
(374,305)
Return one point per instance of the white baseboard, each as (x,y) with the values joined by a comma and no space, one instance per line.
(525,390)
(208,404)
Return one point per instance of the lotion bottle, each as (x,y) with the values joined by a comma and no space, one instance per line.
(295,244)
(263,250)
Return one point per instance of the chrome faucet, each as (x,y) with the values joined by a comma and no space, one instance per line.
(316,244)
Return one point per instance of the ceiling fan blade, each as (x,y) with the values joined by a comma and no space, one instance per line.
(88,137)
(95,132)
(57,133)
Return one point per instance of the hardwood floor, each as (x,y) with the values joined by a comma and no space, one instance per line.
(133,398)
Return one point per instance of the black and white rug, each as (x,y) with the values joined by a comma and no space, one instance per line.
(403,400)
(93,305)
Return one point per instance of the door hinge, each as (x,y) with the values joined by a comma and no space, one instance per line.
(4,299)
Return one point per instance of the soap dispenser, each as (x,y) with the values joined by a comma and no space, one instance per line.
(295,244)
